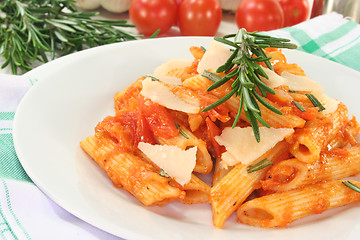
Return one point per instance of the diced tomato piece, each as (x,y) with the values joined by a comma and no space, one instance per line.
(158,118)
(197,52)
(143,131)
(220,112)
(194,66)
(128,128)
(309,114)
(212,132)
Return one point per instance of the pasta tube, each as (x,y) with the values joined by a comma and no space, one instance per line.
(187,140)
(233,189)
(136,176)
(307,143)
(280,209)
(334,164)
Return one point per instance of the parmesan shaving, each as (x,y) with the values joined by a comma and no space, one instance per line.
(215,56)
(330,104)
(242,147)
(161,72)
(300,83)
(177,163)
(161,94)
(274,79)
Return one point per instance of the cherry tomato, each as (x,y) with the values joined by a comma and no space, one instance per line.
(199,17)
(259,15)
(151,15)
(295,11)
(317,8)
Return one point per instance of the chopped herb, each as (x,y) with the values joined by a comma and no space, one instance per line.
(298,105)
(315,101)
(152,77)
(351,186)
(260,165)
(181,131)
(211,76)
(163,173)
(202,48)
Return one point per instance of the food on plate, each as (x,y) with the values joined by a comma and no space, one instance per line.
(276,146)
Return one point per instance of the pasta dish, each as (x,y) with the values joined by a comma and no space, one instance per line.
(163,142)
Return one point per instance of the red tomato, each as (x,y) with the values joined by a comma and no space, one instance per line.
(212,132)
(317,8)
(295,11)
(159,119)
(259,15)
(128,128)
(199,17)
(151,15)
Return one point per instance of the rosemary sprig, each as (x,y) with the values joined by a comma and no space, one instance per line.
(351,186)
(38,30)
(299,106)
(181,131)
(242,66)
(260,165)
(315,101)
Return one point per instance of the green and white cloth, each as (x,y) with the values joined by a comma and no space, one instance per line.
(26,213)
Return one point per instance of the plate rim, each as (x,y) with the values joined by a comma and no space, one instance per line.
(80,54)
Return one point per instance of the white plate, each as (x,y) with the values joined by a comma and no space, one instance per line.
(75,92)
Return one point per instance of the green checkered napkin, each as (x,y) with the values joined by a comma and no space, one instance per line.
(329,36)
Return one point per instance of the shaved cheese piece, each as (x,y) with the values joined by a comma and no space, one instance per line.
(159,93)
(215,56)
(241,145)
(274,80)
(172,64)
(300,83)
(330,104)
(170,80)
(177,163)
(161,72)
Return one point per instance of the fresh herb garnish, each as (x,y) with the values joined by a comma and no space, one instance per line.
(298,105)
(315,101)
(260,165)
(35,31)
(351,186)
(151,77)
(181,131)
(242,66)
(211,76)
(163,173)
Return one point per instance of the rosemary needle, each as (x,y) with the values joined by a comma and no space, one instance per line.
(36,31)
(248,50)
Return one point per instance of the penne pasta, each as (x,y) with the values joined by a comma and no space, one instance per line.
(233,189)
(177,135)
(307,143)
(197,191)
(280,209)
(186,140)
(128,171)
(337,163)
